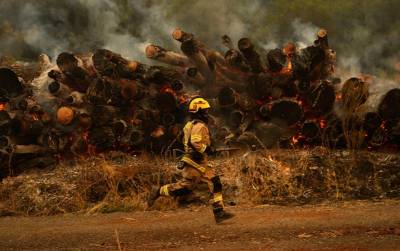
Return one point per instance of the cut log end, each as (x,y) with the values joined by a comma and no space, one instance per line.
(151,51)
(177,34)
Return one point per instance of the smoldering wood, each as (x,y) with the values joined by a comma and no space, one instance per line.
(85,120)
(310,129)
(103,114)
(59,90)
(287,111)
(177,85)
(372,121)
(166,101)
(111,64)
(389,107)
(191,48)
(227,41)
(10,85)
(252,56)
(227,97)
(119,127)
(25,149)
(75,98)
(136,137)
(276,60)
(102,137)
(236,60)
(321,98)
(195,77)
(168,119)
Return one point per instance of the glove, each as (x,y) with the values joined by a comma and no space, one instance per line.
(210,150)
(196,156)
(180,165)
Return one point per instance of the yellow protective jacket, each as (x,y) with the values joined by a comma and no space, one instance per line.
(196,139)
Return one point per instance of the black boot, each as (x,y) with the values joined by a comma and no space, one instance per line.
(220,215)
(153,196)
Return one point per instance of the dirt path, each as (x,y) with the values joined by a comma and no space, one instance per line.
(345,226)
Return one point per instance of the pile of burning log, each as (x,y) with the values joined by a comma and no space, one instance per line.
(86,104)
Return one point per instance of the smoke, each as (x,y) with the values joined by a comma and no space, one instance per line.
(366,40)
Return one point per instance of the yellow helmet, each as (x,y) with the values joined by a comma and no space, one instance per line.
(197,104)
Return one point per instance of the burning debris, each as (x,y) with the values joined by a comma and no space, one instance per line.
(87,104)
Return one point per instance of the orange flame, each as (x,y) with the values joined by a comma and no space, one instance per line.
(338,97)
(288,69)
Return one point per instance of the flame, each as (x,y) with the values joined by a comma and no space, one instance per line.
(288,69)
(2,106)
(295,139)
(338,97)
(270,158)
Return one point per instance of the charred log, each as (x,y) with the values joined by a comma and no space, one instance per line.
(389,107)
(59,90)
(77,78)
(113,65)
(286,111)
(322,98)
(310,130)
(10,86)
(252,57)
(276,60)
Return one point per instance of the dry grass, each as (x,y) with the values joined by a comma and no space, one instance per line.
(119,182)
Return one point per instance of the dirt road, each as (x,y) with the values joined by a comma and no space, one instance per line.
(345,226)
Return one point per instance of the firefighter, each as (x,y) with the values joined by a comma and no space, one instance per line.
(197,144)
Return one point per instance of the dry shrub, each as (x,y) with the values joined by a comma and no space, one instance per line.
(120,182)
(96,184)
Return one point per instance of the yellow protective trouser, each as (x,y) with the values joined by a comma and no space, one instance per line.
(190,178)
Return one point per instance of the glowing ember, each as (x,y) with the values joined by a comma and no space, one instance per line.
(288,69)
(85,136)
(158,132)
(2,106)
(35,117)
(322,123)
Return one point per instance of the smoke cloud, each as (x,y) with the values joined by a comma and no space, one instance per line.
(364,33)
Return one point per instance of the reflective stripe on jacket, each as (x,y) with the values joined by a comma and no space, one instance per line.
(195,140)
